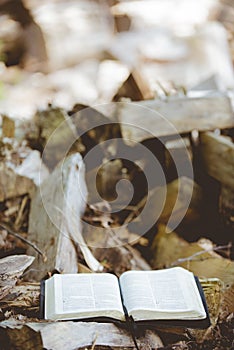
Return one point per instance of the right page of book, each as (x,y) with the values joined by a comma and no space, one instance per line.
(162,294)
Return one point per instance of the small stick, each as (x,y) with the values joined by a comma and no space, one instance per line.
(20,213)
(25,240)
(190,258)
(94,342)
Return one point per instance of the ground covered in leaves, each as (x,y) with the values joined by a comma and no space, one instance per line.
(63,67)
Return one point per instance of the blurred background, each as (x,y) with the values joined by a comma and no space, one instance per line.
(67,52)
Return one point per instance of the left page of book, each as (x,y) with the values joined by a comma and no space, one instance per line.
(80,296)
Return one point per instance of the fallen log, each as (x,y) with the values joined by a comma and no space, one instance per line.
(156,118)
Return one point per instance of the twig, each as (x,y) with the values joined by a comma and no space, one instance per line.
(135,210)
(25,240)
(20,213)
(94,342)
(191,257)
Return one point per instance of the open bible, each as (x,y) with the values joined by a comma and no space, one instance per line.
(172,295)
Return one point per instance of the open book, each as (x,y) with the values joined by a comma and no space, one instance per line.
(172,294)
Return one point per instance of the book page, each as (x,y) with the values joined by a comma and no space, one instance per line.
(87,295)
(169,294)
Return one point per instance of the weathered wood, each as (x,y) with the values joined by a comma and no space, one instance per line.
(171,250)
(183,198)
(11,268)
(199,257)
(112,247)
(135,87)
(213,290)
(226,205)
(177,153)
(59,143)
(184,113)
(8,127)
(72,336)
(214,294)
(12,184)
(122,23)
(217,153)
(33,168)
(111,75)
(101,183)
(54,222)
(120,257)
(22,297)
(20,169)
(33,49)
(16,335)
(227,303)
(212,83)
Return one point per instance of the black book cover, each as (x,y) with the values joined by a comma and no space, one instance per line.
(42,300)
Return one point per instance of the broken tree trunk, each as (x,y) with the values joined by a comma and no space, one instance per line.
(55,220)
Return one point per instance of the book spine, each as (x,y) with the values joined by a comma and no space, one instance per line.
(42,300)
(131,325)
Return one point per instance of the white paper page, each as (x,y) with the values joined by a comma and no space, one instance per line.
(87,295)
(172,291)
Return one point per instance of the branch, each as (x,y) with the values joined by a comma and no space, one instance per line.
(193,256)
(24,240)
